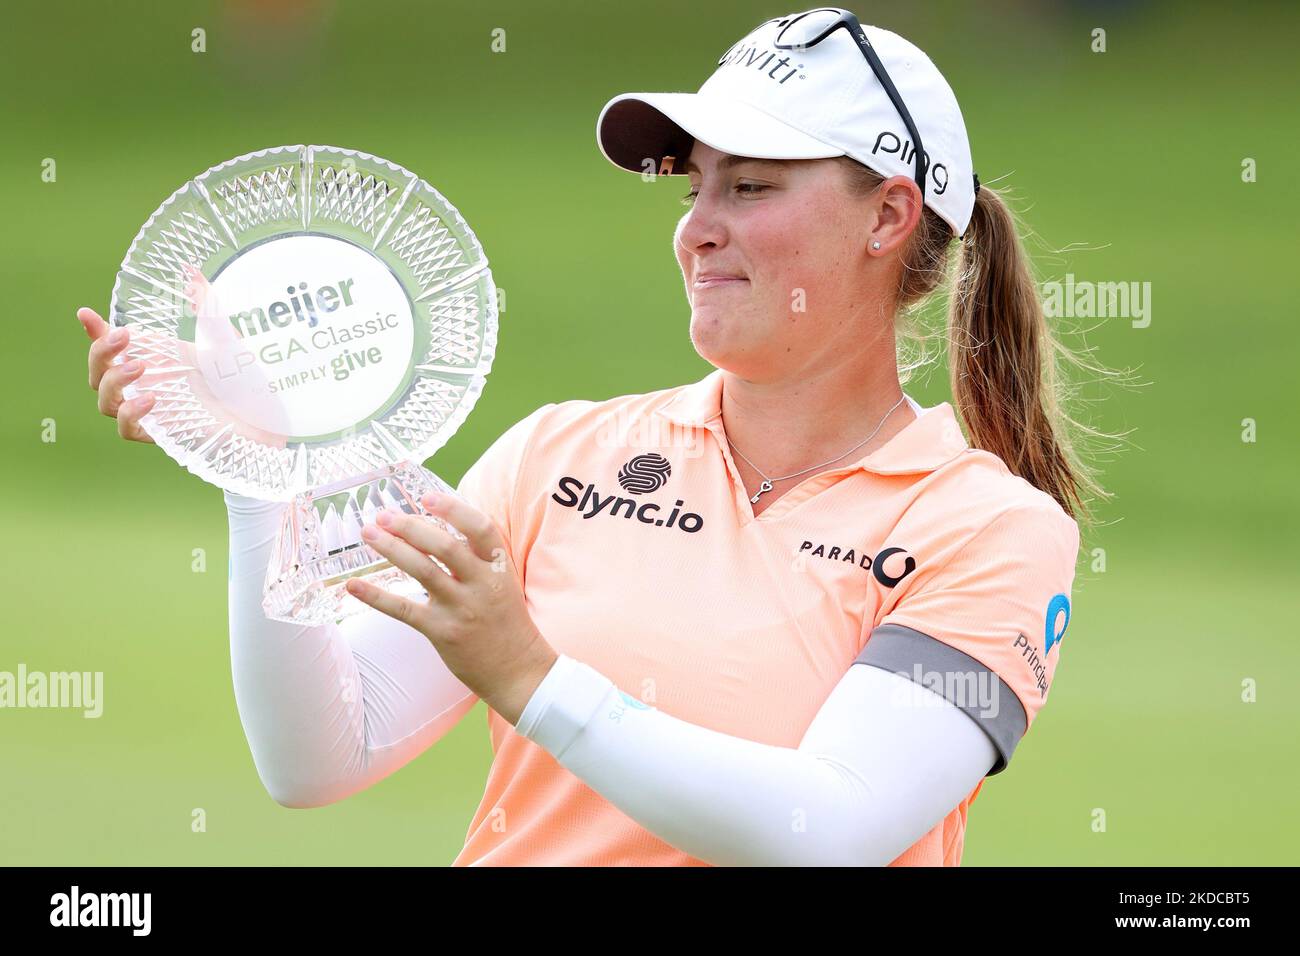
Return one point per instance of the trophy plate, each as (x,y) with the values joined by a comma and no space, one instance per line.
(314,322)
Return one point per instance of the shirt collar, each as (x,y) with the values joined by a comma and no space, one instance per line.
(929,441)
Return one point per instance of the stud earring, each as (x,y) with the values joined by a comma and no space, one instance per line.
(875,245)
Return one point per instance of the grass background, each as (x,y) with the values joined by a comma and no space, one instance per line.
(1130,159)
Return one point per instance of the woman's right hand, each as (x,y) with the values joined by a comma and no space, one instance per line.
(108,379)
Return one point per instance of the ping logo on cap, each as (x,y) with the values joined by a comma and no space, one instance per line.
(890,142)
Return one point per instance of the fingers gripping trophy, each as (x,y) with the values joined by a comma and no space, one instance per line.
(313,322)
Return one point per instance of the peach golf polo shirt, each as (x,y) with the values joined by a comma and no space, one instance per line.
(641,556)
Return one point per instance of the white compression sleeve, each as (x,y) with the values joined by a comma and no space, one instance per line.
(331,709)
(883,761)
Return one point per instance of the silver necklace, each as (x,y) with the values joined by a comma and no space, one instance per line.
(767,482)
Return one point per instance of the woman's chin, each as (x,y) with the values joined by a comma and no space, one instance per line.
(715,343)
(709,336)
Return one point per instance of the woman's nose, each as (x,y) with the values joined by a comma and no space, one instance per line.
(703,225)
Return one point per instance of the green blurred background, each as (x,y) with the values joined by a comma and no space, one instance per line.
(1128,160)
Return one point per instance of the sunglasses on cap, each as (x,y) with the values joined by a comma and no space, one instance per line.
(805,30)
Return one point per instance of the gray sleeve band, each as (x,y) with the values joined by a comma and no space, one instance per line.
(955,676)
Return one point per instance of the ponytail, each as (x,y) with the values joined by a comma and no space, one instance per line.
(1002,354)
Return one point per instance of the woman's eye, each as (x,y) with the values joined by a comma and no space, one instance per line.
(747,189)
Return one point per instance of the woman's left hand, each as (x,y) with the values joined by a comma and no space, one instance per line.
(477,621)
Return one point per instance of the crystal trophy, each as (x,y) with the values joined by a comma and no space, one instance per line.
(314,323)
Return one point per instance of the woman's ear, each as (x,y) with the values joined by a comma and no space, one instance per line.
(895,210)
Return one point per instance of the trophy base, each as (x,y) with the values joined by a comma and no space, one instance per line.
(319,544)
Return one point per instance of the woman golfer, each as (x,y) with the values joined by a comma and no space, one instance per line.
(781,615)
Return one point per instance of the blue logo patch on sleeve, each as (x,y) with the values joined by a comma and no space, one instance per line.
(632,701)
(1058,604)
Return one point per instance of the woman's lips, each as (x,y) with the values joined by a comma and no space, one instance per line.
(712,281)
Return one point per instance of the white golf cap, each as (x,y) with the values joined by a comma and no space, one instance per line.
(813,103)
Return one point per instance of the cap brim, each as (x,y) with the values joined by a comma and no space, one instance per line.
(636,127)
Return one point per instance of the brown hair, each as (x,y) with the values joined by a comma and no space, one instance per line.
(1002,355)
